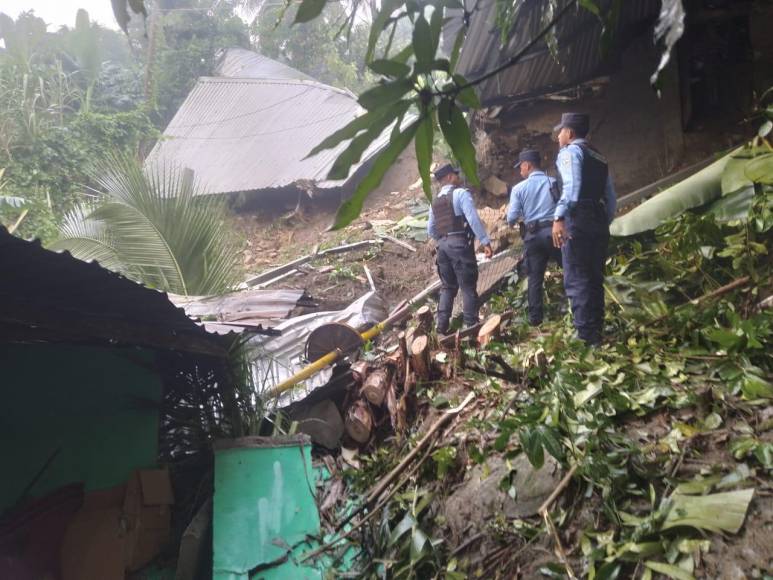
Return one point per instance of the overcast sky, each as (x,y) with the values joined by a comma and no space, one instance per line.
(60,12)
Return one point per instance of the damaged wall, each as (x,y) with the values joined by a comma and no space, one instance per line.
(640,134)
(97,405)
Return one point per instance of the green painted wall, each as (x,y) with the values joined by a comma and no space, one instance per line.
(86,400)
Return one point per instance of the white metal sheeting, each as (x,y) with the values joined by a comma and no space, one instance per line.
(242,63)
(241,134)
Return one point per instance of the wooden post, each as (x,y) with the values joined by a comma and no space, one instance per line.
(359,422)
(490,330)
(420,357)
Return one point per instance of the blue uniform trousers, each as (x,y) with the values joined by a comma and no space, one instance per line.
(539,251)
(584,255)
(457,268)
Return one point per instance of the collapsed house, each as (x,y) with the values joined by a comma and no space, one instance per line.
(645,135)
(104,382)
(249,130)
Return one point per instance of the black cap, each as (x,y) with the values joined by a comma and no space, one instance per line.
(530,155)
(444,170)
(579,122)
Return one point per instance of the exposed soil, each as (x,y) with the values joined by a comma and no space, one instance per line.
(278,235)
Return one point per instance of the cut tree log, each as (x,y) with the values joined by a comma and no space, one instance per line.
(375,387)
(425,318)
(420,357)
(360,370)
(490,329)
(359,422)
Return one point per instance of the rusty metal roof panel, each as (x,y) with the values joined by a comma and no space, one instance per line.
(242,63)
(579,56)
(245,306)
(50,296)
(241,134)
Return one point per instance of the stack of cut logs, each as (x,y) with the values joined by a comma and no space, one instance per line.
(387,388)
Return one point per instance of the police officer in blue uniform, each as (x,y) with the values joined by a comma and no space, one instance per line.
(453,224)
(581,223)
(534,201)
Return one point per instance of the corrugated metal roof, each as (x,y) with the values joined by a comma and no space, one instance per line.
(244,308)
(242,63)
(240,134)
(539,72)
(50,296)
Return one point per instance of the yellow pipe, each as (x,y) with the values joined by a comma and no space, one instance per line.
(332,356)
(303,374)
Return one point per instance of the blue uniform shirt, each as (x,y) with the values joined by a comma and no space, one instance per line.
(569,162)
(463,206)
(531,200)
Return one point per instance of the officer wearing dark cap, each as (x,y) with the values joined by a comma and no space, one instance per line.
(453,224)
(534,201)
(581,223)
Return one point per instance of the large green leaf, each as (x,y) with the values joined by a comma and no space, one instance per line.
(424,139)
(309,10)
(674,572)
(389,68)
(735,206)
(531,442)
(352,207)
(698,189)
(361,123)
(716,512)
(457,134)
(384,94)
(353,153)
(760,169)
(155,227)
(422,44)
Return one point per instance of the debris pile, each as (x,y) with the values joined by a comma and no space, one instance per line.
(521,453)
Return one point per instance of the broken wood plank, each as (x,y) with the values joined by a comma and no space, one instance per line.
(400,243)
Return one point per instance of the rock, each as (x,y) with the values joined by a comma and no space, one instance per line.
(322,422)
(480,498)
(495,186)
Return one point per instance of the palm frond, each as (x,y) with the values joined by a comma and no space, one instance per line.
(165,231)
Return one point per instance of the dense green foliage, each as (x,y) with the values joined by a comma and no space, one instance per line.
(155,226)
(320,48)
(57,115)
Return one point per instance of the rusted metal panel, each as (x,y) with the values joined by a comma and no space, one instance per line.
(579,57)
(53,297)
(246,306)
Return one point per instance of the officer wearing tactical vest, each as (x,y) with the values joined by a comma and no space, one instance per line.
(534,200)
(581,223)
(453,223)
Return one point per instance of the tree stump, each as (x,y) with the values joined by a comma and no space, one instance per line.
(489,330)
(420,357)
(425,319)
(359,422)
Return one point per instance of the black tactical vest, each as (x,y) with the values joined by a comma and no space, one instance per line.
(594,173)
(595,170)
(446,221)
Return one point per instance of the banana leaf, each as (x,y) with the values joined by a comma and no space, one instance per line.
(716,512)
(697,190)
